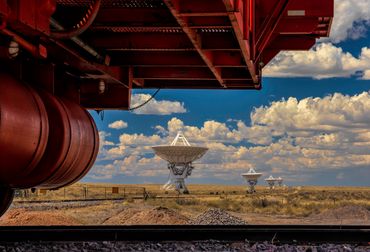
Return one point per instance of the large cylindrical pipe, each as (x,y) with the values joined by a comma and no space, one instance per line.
(58,144)
(71,149)
(82,146)
(24,129)
(45,141)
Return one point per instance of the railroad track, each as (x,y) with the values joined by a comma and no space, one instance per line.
(19,201)
(292,234)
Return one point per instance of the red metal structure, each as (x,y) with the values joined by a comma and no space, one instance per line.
(59,58)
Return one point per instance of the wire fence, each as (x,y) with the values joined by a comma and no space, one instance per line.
(82,193)
(127,192)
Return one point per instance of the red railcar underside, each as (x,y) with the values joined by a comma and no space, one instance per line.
(59,58)
(178,44)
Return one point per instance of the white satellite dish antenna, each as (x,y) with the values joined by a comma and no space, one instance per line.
(252,178)
(271,181)
(179,155)
(280,181)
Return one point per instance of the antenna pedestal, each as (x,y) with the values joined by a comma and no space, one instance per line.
(179,155)
(271,184)
(252,183)
(271,181)
(252,178)
(178,174)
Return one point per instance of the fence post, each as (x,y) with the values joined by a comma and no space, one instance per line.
(105,193)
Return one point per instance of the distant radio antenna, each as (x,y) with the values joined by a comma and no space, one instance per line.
(252,178)
(179,155)
(280,181)
(271,182)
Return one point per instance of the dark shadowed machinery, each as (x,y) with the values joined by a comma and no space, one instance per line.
(60,58)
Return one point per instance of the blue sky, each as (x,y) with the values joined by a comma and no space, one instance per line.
(310,124)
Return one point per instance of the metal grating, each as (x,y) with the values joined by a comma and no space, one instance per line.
(124,29)
(115,3)
(214,30)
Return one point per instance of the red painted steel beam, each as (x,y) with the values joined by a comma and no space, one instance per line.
(118,16)
(189,73)
(228,59)
(270,25)
(64,55)
(138,16)
(197,84)
(170,58)
(238,23)
(159,41)
(173,6)
(182,84)
(197,6)
(139,41)
(200,22)
(168,73)
(219,40)
(190,58)
(230,73)
(203,14)
(298,26)
(292,42)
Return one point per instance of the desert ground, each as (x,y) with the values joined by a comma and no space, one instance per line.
(105,204)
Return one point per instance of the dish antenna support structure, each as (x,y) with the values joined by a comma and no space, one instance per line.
(271,182)
(280,181)
(179,155)
(252,178)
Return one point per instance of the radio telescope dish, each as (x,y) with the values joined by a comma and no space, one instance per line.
(179,155)
(271,181)
(252,178)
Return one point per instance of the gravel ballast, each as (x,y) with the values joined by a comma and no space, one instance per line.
(210,245)
(216,216)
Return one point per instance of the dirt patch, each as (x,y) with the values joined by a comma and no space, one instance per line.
(22,217)
(345,212)
(154,216)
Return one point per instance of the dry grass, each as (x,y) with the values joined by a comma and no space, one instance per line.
(300,203)
(291,202)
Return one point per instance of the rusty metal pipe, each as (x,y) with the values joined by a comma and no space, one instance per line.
(78,41)
(45,141)
(24,129)
(84,24)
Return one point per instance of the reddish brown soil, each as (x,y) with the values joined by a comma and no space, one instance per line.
(22,217)
(154,216)
(346,212)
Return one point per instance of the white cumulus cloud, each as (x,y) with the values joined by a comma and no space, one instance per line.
(351,19)
(156,107)
(290,138)
(118,125)
(323,61)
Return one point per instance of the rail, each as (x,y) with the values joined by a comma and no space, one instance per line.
(292,234)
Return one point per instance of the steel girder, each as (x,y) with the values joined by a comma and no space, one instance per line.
(190,44)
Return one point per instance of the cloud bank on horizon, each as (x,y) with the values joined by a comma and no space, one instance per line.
(286,137)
